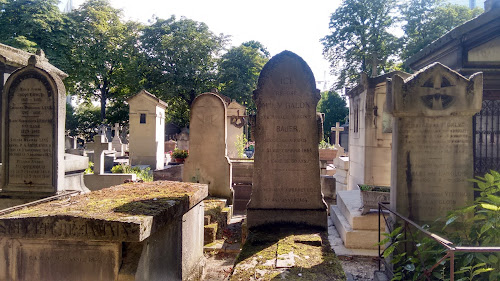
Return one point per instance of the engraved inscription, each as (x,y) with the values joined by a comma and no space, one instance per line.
(30,134)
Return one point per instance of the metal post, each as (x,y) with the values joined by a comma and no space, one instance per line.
(452,265)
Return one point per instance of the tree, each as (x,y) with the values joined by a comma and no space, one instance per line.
(36,24)
(103,54)
(360,40)
(83,121)
(427,20)
(239,70)
(181,62)
(335,109)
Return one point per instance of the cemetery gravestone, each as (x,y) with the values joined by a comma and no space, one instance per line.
(432,141)
(116,143)
(33,117)
(236,123)
(286,183)
(208,162)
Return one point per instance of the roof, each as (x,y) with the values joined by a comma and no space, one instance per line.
(18,58)
(456,34)
(371,82)
(150,96)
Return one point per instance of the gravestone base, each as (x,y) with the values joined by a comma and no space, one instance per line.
(311,217)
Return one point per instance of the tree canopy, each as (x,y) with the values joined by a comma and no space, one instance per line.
(239,71)
(362,34)
(180,62)
(427,20)
(335,109)
(360,40)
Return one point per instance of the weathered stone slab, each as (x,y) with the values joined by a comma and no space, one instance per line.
(112,214)
(432,141)
(208,162)
(56,260)
(286,183)
(134,231)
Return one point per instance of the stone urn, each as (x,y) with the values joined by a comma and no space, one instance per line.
(371,195)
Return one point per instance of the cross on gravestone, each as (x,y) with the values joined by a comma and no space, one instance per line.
(116,128)
(337,129)
(100,145)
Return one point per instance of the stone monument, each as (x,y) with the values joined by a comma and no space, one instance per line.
(286,183)
(235,126)
(33,117)
(147,130)
(432,157)
(116,143)
(208,162)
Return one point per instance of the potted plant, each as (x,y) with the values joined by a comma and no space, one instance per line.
(179,155)
(327,152)
(371,195)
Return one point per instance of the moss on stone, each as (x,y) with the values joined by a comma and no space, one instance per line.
(314,258)
(122,202)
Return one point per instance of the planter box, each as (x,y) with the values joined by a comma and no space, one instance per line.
(327,154)
(371,198)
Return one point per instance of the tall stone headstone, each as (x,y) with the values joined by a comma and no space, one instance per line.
(236,114)
(286,183)
(432,156)
(208,162)
(147,130)
(33,117)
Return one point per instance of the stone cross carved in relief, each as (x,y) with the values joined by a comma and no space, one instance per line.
(436,91)
(432,154)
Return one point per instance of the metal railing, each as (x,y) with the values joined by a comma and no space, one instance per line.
(451,249)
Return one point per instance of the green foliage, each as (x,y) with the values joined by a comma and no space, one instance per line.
(179,154)
(180,62)
(241,143)
(427,20)
(360,40)
(103,57)
(239,71)
(143,174)
(36,24)
(335,109)
(83,121)
(475,225)
(90,168)
(324,145)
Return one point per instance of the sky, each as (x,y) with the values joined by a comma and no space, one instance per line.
(279,25)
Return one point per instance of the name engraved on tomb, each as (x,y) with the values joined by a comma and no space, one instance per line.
(61,229)
(30,132)
(431,143)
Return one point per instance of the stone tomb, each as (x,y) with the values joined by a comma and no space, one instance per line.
(33,117)
(108,235)
(208,162)
(147,130)
(432,141)
(286,182)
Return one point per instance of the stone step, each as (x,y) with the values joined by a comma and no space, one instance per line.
(354,239)
(349,202)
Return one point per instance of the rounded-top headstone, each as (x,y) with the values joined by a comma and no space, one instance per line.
(33,117)
(286,183)
(208,162)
